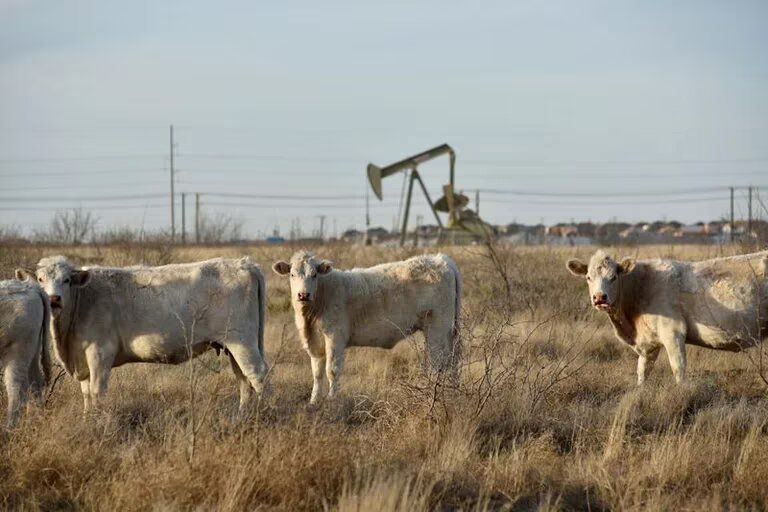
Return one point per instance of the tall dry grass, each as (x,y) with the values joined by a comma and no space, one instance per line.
(547,415)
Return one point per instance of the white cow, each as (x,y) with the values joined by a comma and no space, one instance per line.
(373,307)
(720,304)
(106,317)
(24,315)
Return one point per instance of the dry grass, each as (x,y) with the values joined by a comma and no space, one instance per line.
(547,416)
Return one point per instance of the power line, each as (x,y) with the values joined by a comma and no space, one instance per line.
(99,208)
(539,163)
(241,183)
(78,158)
(605,193)
(275,196)
(513,174)
(267,157)
(22,174)
(286,205)
(83,186)
(492,162)
(265,197)
(724,197)
(17,199)
(346,159)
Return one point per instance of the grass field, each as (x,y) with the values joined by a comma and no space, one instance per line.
(547,415)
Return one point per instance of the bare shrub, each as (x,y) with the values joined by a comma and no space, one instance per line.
(69,227)
(11,233)
(125,246)
(219,228)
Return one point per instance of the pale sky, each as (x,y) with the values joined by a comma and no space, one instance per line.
(613,100)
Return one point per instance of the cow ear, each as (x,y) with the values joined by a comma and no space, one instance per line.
(281,267)
(80,277)
(626,266)
(577,267)
(22,274)
(324,267)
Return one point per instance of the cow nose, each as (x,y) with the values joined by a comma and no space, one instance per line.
(303,296)
(600,297)
(55,300)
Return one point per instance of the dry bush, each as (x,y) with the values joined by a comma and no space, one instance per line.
(74,226)
(219,228)
(545,415)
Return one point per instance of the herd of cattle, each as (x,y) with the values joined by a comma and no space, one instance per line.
(99,318)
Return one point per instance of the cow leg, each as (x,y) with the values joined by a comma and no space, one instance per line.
(250,362)
(645,364)
(85,389)
(675,346)
(99,362)
(334,362)
(36,377)
(318,376)
(440,347)
(246,391)
(16,387)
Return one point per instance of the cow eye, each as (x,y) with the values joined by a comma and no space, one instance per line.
(66,281)
(40,279)
(589,278)
(613,279)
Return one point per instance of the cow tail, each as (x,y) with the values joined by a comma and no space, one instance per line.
(45,350)
(257,278)
(456,338)
(262,313)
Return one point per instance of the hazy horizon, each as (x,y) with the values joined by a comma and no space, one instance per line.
(557,111)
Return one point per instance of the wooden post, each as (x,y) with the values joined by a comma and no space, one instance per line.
(733,225)
(197,217)
(183,218)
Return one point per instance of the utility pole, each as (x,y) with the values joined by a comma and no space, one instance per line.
(733,226)
(367,213)
(749,213)
(477,202)
(322,226)
(183,218)
(419,220)
(197,217)
(173,213)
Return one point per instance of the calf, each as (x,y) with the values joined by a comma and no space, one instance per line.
(106,317)
(720,304)
(24,318)
(372,307)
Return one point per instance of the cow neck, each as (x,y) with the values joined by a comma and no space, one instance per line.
(308,311)
(311,311)
(64,324)
(623,315)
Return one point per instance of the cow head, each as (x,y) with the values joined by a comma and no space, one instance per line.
(603,275)
(304,269)
(58,278)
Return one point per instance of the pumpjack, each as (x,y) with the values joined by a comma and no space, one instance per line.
(461,220)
